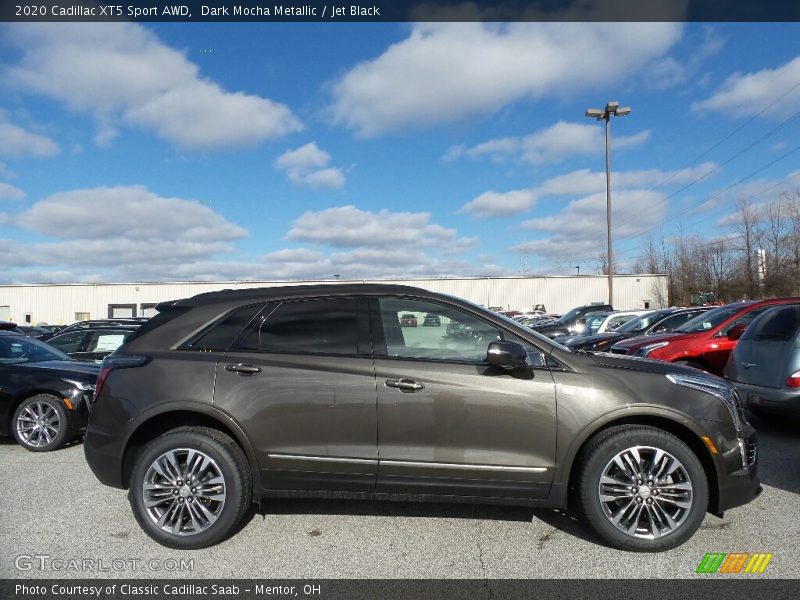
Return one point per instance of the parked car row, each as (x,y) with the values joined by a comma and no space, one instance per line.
(45,386)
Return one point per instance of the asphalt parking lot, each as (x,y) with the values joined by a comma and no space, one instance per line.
(52,506)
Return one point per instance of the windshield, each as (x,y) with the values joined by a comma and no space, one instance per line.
(594,321)
(710,319)
(18,349)
(570,316)
(640,323)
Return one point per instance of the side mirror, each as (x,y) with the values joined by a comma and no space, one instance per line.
(508,355)
(735,332)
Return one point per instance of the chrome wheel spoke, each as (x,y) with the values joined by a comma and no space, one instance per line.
(183,491)
(645,492)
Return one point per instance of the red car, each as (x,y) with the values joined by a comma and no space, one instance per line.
(706,341)
(408,320)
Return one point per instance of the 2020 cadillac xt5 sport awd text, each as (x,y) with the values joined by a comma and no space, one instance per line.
(233,397)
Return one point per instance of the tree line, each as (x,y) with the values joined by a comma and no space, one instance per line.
(758,255)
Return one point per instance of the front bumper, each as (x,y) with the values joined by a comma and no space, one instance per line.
(770,400)
(738,475)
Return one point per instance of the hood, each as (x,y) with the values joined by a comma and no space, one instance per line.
(84,371)
(643,340)
(583,341)
(552,328)
(644,365)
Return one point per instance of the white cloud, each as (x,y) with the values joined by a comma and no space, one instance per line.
(745,95)
(550,144)
(10,192)
(351,227)
(575,231)
(156,231)
(581,182)
(168,239)
(121,73)
(669,72)
(448,71)
(373,263)
(307,165)
(18,142)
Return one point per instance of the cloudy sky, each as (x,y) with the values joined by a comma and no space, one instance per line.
(136,152)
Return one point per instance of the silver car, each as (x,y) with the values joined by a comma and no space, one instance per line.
(765,364)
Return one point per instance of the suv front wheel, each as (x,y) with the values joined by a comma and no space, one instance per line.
(190,488)
(642,489)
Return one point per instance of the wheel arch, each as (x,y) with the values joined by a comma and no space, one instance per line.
(660,421)
(155,425)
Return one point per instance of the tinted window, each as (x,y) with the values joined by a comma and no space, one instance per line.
(640,323)
(222,335)
(777,324)
(674,321)
(16,349)
(69,342)
(616,322)
(328,326)
(710,319)
(745,319)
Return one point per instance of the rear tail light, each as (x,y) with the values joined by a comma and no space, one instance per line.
(794,380)
(114,362)
(101,379)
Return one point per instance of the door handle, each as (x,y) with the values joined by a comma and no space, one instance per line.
(242,369)
(404,385)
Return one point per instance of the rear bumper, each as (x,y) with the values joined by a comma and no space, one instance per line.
(103,458)
(772,400)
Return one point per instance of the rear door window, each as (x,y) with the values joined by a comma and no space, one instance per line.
(323,326)
(69,342)
(222,335)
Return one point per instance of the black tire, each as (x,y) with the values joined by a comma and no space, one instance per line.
(598,455)
(57,419)
(228,459)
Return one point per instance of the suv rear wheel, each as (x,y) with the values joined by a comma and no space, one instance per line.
(642,489)
(190,488)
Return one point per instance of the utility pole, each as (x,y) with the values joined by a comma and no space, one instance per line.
(612,108)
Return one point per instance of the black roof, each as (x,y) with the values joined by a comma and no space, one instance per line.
(298,291)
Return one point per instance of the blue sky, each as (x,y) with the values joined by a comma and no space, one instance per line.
(271,151)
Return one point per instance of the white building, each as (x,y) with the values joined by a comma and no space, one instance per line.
(58,304)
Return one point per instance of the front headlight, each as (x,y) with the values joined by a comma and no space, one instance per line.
(81,385)
(645,350)
(717,388)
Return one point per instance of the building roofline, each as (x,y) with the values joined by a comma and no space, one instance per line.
(357,281)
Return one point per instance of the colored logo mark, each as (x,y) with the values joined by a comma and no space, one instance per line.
(735,562)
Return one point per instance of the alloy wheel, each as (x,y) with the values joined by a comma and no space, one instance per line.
(645,492)
(38,424)
(183,492)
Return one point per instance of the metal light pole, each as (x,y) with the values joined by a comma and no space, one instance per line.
(612,108)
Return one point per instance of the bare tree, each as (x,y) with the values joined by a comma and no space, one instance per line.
(748,228)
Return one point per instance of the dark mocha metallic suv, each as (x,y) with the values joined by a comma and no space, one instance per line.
(232,397)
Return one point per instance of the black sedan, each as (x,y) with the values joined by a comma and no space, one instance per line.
(43,393)
(659,321)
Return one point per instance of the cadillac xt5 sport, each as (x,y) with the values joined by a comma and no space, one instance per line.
(234,397)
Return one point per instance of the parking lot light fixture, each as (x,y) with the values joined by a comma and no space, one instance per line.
(612,108)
